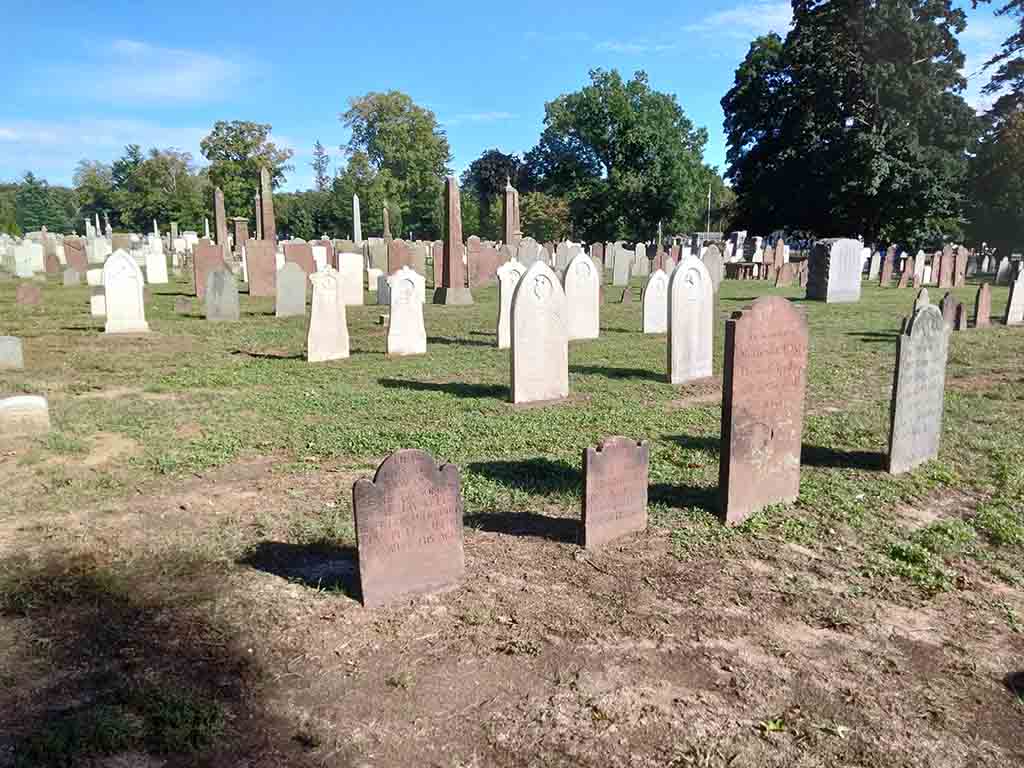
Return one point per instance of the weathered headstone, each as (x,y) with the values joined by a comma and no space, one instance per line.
(407,334)
(483,262)
(786,276)
(627,296)
(960,318)
(183,305)
(1014,314)
(918,390)
(261,264)
(327,333)
(301,254)
(156,265)
(74,254)
(888,266)
(582,298)
(540,343)
(350,276)
(408,522)
(947,306)
(205,259)
(28,295)
(834,271)
(453,288)
(763,384)
(24,416)
(1004,273)
(691,308)
(11,355)
(123,288)
(983,307)
(712,259)
(876,263)
(614,490)
(946,263)
(291,291)
(622,264)
(72,277)
(509,275)
(655,303)
(960,267)
(221,300)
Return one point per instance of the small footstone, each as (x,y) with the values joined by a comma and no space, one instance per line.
(615,490)
(72,277)
(28,295)
(627,297)
(11,354)
(23,416)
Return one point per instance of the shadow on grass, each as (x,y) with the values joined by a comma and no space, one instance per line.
(268,355)
(827,456)
(697,443)
(618,373)
(561,529)
(684,496)
(128,661)
(538,475)
(875,337)
(81,328)
(319,566)
(457,388)
(448,341)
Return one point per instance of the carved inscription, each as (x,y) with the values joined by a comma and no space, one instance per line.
(408,527)
(614,490)
(764,380)
(918,390)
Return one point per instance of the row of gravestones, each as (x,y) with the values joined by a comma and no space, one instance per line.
(409,517)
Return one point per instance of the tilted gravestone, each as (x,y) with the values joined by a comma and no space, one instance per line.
(291,291)
(408,522)
(221,301)
(946,265)
(763,384)
(983,307)
(11,355)
(655,303)
(509,275)
(614,490)
(691,317)
(327,332)
(918,390)
(582,283)
(834,271)
(407,334)
(540,342)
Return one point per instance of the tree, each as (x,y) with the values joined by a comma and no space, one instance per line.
(997,186)
(404,145)
(321,165)
(485,180)
(858,117)
(236,152)
(625,155)
(1008,79)
(33,203)
(94,184)
(545,217)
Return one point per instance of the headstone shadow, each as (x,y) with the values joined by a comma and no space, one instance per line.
(561,529)
(828,456)
(1015,683)
(619,373)
(875,337)
(538,475)
(697,442)
(318,566)
(457,388)
(683,496)
(268,355)
(448,341)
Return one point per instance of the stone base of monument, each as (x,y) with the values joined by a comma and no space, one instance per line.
(453,296)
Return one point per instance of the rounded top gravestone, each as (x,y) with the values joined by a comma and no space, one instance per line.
(540,342)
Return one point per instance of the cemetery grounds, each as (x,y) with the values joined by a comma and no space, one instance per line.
(177,582)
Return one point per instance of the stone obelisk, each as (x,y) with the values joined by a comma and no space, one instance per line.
(453,288)
(357,222)
(267,207)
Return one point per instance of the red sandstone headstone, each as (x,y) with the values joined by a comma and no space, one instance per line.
(597,254)
(948,308)
(28,295)
(614,490)
(960,321)
(483,263)
(763,384)
(888,266)
(261,263)
(301,254)
(206,258)
(74,254)
(907,276)
(399,255)
(786,275)
(332,257)
(960,267)
(437,254)
(983,307)
(946,265)
(408,523)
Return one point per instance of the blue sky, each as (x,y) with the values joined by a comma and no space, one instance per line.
(88,78)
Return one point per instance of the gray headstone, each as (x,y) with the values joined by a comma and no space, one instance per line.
(918,390)
(11,354)
(72,277)
(221,296)
(835,271)
(712,259)
(291,291)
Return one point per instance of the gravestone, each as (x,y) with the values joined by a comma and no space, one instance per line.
(156,266)
(97,298)
(11,355)
(28,295)
(876,259)
(787,275)
(834,271)
(72,277)
(641,264)
(909,270)
(24,416)
(712,259)
(960,319)
(763,384)
(74,254)
(123,289)
(350,277)
(183,305)
(540,342)
(922,299)
(691,309)
(1004,273)
(655,303)
(946,265)
(406,333)
(983,306)
(484,261)
(221,301)
(1014,314)
(948,309)
(960,267)
(399,255)
(301,254)
(327,332)
(408,522)
(291,291)
(453,288)
(621,265)
(378,254)
(614,490)
(597,255)
(509,275)
(261,263)
(205,258)
(627,296)
(582,298)
(888,265)
(529,251)
(918,390)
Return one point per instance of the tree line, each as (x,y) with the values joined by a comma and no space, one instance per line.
(853,123)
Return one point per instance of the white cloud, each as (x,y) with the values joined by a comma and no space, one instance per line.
(747,20)
(134,71)
(478,117)
(633,47)
(980,41)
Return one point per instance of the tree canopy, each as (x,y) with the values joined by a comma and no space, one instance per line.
(236,151)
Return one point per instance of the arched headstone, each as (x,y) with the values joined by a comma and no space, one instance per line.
(509,275)
(123,289)
(327,332)
(407,334)
(690,321)
(582,283)
(655,303)
(540,343)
